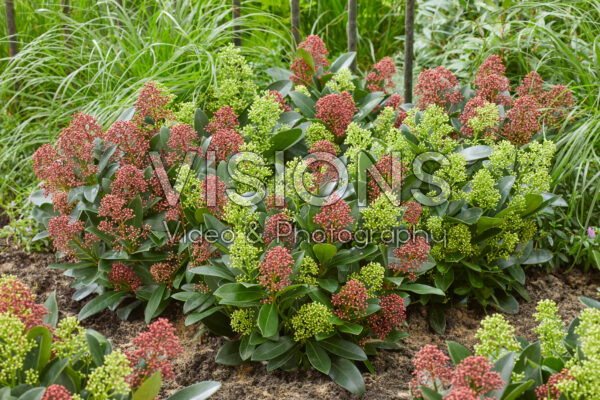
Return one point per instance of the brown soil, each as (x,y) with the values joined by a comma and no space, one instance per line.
(251,381)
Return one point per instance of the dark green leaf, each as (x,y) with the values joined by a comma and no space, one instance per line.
(324,252)
(149,389)
(421,289)
(52,317)
(457,352)
(318,357)
(345,374)
(270,350)
(154,303)
(344,348)
(229,354)
(343,61)
(99,303)
(239,294)
(198,391)
(268,319)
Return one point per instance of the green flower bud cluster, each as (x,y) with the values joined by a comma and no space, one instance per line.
(396,141)
(432,130)
(534,163)
(435,225)
(485,120)
(455,173)
(371,275)
(357,139)
(503,158)
(70,341)
(483,192)
(240,216)
(316,132)
(109,379)
(14,346)
(381,214)
(32,377)
(189,187)
(185,113)
(495,336)
(251,174)
(585,372)
(311,319)
(341,81)
(243,320)
(458,241)
(551,329)
(264,115)
(302,89)
(235,80)
(299,183)
(308,271)
(243,255)
(384,123)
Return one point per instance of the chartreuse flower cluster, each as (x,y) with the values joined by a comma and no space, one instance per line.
(311,319)
(551,329)
(495,336)
(236,87)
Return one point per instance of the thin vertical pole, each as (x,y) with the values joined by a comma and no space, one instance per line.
(237,13)
(66,7)
(13,47)
(295,10)
(352,33)
(409,32)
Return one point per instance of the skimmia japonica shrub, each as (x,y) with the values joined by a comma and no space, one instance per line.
(564,363)
(300,220)
(42,357)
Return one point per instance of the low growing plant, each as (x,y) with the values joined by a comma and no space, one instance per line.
(562,364)
(302,219)
(42,357)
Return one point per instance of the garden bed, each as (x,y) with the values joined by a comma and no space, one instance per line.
(393,368)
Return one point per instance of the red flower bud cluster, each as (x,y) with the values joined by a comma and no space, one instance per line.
(380,80)
(156,350)
(493,84)
(461,393)
(437,86)
(131,140)
(162,272)
(283,106)
(392,171)
(336,111)
(182,140)
(152,103)
(115,209)
(549,391)
(225,143)
(276,269)
(301,71)
(390,317)
(279,227)
(129,182)
(351,301)
(554,101)
(124,277)
(17,299)
(223,118)
(412,255)
(62,230)
(275,202)
(523,120)
(323,165)
(475,373)
(56,392)
(201,253)
(412,213)
(334,218)
(214,195)
(71,162)
(431,369)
